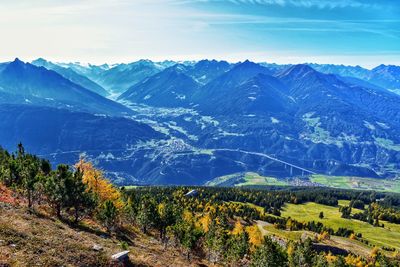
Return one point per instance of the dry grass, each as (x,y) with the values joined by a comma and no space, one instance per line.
(39,240)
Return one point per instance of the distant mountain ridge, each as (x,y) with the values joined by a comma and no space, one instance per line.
(19,79)
(71,75)
(212,118)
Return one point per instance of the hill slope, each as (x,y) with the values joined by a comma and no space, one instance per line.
(31,240)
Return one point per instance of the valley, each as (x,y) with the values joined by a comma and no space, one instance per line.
(212,119)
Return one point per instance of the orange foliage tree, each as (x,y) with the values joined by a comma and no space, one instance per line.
(98,184)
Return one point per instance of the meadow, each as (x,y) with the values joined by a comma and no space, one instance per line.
(388,236)
(360,183)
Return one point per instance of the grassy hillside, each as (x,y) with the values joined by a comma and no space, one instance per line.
(388,236)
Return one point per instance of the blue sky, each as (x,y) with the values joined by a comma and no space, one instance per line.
(283,31)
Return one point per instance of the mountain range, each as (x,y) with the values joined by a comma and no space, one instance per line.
(189,122)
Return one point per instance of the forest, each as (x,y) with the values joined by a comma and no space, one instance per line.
(219,225)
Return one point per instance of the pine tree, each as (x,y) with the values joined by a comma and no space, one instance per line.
(269,254)
(55,188)
(77,197)
(108,215)
(147,213)
(321,215)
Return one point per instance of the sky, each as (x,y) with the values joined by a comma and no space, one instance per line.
(351,32)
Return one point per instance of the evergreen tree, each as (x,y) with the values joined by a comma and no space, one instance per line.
(165,217)
(302,255)
(30,176)
(108,215)
(147,213)
(238,246)
(55,188)
(77,196)
(269,254)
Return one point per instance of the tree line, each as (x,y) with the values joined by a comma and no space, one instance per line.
(217,224)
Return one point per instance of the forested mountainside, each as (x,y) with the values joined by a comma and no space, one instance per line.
(202,120)
(74,216)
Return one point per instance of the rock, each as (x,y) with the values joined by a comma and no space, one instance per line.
(121,256)
(97,247)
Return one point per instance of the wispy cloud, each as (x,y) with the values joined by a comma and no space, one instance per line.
(123,30)
(308,3)
(321,4)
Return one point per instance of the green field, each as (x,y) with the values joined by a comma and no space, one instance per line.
(251,178)
(343,182)
(246,179)
(361,183)
(388,236)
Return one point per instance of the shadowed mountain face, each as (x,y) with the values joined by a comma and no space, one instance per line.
(38,85)
(62,130)
(211,118)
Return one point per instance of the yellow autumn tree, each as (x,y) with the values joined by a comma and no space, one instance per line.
(330,258)
(98,184)
(356,261)
(324,236)
(255,236)
(238,229)
(204,222)
(374,253)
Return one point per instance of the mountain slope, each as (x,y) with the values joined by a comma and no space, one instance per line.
(168,88)
(71,75)
(32,83)
(260,95)
(224,84)
(205,71)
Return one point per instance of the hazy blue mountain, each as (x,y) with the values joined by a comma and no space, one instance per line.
(123,76)
(38,83)
(224,84)
(71,75)
(359,82)
(168,88)
(88,70)
(2,66)
(205,71)
(342,70)
(275,68)
(387,76)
